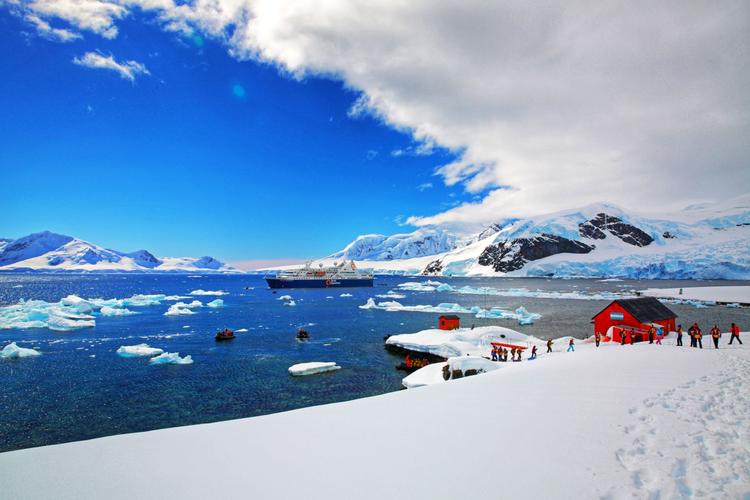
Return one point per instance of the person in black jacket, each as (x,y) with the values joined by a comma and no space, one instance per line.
(679,335)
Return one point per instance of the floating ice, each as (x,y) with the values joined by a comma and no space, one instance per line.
(208,292)
(216,303)
(285,297)
(171,358)
(290,303)
(72,312)
(416,286)
(177,310)
(312,368)
(12,351)
(523,316)
(345,295)
(114,311)
(241,330)
(391,295)
(140,350)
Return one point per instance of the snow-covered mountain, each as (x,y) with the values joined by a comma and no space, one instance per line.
(707,241)
(399,246)
(48,251)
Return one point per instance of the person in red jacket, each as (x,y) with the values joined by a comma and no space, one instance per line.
(735,331)
(698,335)
(715,335)
(571,345)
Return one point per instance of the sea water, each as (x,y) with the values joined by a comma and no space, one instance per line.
(80,388)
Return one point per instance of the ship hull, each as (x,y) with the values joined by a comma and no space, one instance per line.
(319,283)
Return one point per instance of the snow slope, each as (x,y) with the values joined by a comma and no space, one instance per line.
(48,251)
(564,426)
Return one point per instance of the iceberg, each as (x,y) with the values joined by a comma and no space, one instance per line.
(171,358)
(208,292)
(12,351)
(290,303)
(139,350)
(215,304)
(345,295)
(177,310)
(285,297)
(241,330)
(312,368)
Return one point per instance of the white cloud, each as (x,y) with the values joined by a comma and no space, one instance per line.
(424,186)
(644,105)
(47,31)
(126,69)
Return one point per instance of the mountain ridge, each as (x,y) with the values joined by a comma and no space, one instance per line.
(53,252)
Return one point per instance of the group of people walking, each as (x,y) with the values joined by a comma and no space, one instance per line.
(696,335)
(501,354)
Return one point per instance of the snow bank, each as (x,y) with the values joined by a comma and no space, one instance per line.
(215,304)
(208,292)
(434,373)
(312,368)
(560,427)
(460,342)
(736,294)
(139,350)
(12,351)
(171,358)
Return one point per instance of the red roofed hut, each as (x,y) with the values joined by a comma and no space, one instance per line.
(449,322)
(633,315)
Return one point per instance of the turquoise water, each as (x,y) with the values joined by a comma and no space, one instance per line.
(79,388)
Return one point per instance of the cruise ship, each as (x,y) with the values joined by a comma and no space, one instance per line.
(340,275)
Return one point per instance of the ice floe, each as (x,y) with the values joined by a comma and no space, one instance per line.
(291,303)
(171,358)
(215,303)
(416,286)
(208,292)
(12,351)
(523,316)
(346,295)
(139,350)
(285,297)
(241,330)
(391,295)
(312,368)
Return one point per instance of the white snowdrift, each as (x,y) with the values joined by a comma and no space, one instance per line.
(462,341)
(12,351)
(171,358)
(312,368)
(565,426)
(433,373)
(139,350)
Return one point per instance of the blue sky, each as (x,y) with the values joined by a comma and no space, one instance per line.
(136,123)
(205,155)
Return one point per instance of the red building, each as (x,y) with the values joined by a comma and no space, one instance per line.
(449,322)
(633,316)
